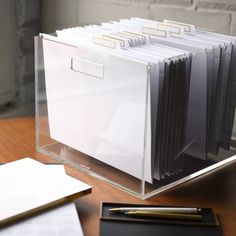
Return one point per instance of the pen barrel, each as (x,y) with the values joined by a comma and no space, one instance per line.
(182,210)
(166,215)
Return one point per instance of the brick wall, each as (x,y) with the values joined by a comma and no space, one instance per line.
(20,25)
(7,53)
(28,25)
(212,14)
(20,22)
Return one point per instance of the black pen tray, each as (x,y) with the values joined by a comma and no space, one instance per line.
(208,216)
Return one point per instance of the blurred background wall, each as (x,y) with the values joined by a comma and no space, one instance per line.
(7,53)
(20,20)
(219,15)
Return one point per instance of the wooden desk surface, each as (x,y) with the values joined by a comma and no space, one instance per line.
(216,190)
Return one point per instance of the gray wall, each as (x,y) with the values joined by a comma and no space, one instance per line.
(28,25)
(212,14)
(7,52)
(19,22)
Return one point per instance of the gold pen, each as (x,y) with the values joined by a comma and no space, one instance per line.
(182,210)
(177,216)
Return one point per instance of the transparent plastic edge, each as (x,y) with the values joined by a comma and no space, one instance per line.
(209,169)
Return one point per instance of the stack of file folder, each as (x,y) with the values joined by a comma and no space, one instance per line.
(138,94)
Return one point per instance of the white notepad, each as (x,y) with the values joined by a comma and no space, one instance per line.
(28,186)
(60,221)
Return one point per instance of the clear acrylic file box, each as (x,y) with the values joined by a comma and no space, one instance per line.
(99,112)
